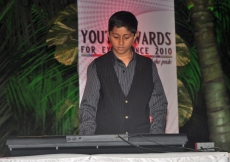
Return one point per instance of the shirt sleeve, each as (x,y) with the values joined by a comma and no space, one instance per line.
(158,105)
(89,102)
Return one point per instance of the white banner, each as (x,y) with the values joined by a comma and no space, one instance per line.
(156,27)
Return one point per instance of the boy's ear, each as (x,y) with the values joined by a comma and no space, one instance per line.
(135,36)
(108,34)
(108,37)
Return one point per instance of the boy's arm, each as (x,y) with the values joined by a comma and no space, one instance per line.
(88,106)
(158,105)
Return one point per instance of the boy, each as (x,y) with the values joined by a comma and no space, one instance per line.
(123,92)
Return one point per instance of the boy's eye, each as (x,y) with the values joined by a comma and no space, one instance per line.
(117,37)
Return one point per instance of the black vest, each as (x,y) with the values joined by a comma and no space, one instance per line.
(117,113)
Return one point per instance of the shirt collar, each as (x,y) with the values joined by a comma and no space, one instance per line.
(117,59)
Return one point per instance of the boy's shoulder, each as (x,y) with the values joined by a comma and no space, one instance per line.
(108,55)
(139,56)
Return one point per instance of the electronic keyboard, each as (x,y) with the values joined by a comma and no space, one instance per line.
(96,144)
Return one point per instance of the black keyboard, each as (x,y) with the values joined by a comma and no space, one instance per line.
(97,144)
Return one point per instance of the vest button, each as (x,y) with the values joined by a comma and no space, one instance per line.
(126,117)
(126,101)
(126,133)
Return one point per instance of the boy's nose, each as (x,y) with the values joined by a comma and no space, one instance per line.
(121,41)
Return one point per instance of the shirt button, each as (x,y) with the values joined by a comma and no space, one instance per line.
(126,101)
(126,117)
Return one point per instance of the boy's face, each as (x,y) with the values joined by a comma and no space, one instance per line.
(121,40)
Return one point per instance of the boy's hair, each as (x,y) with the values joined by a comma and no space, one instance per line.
(123,19)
